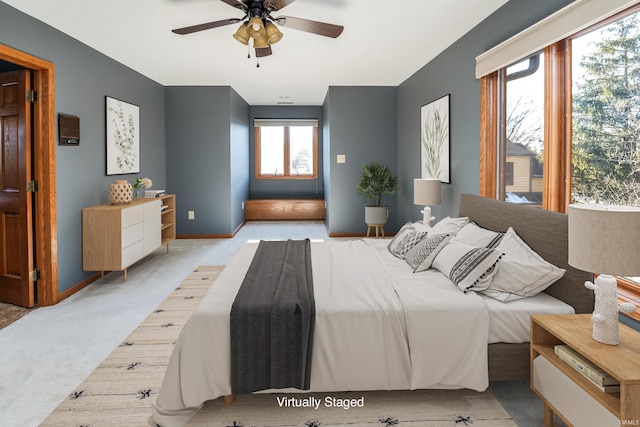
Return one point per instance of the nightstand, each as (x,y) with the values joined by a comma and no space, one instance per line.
(569,394)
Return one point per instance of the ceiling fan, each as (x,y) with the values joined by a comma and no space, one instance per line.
(257,23)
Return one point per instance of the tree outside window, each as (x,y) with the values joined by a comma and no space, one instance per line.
(605,136)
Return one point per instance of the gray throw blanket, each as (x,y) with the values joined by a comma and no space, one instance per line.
(272,320)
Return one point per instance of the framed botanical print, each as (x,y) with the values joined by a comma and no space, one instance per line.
(123,137)
(434,140)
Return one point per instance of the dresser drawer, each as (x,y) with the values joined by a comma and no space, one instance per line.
(132,253)
(132,234)
(575,404)
(132,215)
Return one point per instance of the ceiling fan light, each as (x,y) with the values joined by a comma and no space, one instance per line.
(260,42)
(256,27)
(273,34)
(242,34)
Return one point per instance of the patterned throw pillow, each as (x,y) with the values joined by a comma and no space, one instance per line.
(470,268)
(399,235)
(407,240)
(421,256)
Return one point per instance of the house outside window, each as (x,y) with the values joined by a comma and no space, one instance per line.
(286,149)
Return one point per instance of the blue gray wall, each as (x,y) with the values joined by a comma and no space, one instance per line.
(239,158)
(453,72)
(207,142)
(83,77)
(360,122)
(286,189)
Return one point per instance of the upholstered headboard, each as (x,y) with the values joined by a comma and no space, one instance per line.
(545,232)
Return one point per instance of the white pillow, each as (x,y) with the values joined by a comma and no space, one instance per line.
(474,235)
(421,256)
(421,226)
(471,268)
(406,239)
(522,272)
(448,225)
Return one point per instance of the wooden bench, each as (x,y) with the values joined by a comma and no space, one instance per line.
(284,209)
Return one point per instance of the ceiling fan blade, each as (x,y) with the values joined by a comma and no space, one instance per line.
(263,51)
(273,5)
(206,26)
(236,3)
(315,27)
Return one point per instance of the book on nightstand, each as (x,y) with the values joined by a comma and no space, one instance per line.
(597,376)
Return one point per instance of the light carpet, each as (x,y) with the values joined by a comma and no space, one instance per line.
(119,392)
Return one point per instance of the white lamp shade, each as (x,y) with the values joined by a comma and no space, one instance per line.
(605,239)
(426,191)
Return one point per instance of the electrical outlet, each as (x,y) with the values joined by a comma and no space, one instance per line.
(242,205)
(341,158)
(192,214)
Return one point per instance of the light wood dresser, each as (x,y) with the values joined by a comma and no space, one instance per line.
(114,237)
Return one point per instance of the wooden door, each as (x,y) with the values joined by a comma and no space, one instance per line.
(16,236)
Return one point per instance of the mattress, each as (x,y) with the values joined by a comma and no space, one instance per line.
(508,322)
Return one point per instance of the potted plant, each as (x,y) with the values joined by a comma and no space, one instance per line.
(376,180)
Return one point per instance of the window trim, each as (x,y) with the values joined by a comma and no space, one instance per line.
(629,292)
(286,175)
(557,133)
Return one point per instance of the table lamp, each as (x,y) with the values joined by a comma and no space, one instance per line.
(426,192)
(605,239)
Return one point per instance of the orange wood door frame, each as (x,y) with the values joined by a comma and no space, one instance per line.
(44,170)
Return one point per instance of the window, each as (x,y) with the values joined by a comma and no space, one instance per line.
(508,174)
(521,141)
(605,114)
(588,149)
(286,149)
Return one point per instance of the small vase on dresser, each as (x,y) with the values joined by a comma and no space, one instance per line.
(120,192)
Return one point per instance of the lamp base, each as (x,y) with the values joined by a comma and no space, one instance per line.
(605,314)
(426,216)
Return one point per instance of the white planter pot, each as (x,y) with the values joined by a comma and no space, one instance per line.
(375,214)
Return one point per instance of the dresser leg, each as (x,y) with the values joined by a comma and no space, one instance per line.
(548,416)
(228,399)
(125,274)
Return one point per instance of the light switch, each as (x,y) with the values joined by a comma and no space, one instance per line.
(341,158)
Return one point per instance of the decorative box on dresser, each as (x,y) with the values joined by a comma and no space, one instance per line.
(114,237)
(570,394)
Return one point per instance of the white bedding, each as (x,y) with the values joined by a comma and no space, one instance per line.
(378,326)
(510,322)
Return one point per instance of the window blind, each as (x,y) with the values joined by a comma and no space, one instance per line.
(284,122)
(567,21)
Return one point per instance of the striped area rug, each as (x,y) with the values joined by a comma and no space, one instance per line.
(120,390)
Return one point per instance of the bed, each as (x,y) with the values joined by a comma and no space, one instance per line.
(378,326)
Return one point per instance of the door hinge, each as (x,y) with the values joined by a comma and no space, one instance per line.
(32,96)
(32,186)
(34,275)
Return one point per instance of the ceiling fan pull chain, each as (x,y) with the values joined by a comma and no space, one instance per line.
(257,62)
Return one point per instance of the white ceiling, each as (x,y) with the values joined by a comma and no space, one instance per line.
(383,43)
